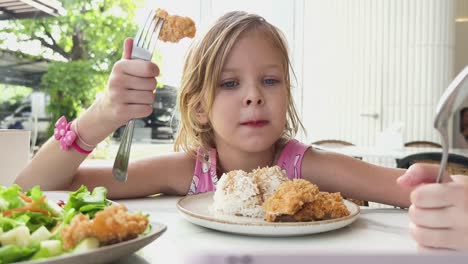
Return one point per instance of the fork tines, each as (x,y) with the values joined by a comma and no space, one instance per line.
(147,35)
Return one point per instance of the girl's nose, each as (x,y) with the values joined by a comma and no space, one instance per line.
(254,97)
(258,101)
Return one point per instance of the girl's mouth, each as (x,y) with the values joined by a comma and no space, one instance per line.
(255,123)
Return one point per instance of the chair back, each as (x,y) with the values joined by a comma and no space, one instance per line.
(422,144)
(332,143)
(456,164)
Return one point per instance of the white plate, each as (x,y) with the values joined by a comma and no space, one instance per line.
(103,254)
(196,209)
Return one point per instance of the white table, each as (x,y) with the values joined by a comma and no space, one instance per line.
(375,231)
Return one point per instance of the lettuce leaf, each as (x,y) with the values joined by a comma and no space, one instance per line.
(87,203)
(35,193)
(12,253)
(9,197)
(6,224)
(35,220)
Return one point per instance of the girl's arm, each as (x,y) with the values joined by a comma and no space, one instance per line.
(169,174)
(354,178)
(55,169)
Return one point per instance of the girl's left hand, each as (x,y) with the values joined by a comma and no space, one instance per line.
(439,212)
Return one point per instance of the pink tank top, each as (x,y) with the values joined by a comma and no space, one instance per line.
(205,178)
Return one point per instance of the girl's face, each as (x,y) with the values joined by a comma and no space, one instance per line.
(249,109)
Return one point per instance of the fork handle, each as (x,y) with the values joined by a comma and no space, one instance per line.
(443,163)
(120,169)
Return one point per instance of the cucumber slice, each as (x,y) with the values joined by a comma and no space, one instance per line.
(54,208)
(40,234)
(18,236)
(86,245)
(49,248)
(53,246)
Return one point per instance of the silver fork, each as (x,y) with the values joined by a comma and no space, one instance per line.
(143,47)
(450,101)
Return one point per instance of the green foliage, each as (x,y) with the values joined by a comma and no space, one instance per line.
(72,86)
(89,39)
(91,29)
(13,94)
(10,98)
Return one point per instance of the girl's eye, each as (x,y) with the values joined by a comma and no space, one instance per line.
(229,84)
(270,81)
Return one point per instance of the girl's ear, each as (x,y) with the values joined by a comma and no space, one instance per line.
(202,116)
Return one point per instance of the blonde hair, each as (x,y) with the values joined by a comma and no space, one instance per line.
(202,70)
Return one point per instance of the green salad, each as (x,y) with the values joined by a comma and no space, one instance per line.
(30,223)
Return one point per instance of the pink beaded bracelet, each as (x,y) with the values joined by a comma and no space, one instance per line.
(67,136)
(78,137)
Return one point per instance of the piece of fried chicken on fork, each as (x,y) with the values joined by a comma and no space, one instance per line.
(175,27)
(111,225)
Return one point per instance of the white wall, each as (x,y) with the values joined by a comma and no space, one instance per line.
(386,59)
(461,35)
(461,50)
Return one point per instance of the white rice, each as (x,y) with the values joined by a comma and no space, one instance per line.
(241,193)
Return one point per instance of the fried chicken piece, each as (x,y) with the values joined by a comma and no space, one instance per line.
(175,27)
(300,201)
(111,225)
(161,13)
(289,198)
(326,206)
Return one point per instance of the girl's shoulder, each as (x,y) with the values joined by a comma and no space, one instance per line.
(291,155)
(291,147)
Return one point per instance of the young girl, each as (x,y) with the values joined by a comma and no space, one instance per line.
(237,112)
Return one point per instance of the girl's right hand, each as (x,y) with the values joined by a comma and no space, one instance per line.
(129,95)
(439,212)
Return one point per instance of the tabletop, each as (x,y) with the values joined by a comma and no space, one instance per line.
(377,230)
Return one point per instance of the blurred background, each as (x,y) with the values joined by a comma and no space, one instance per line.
(368,72)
